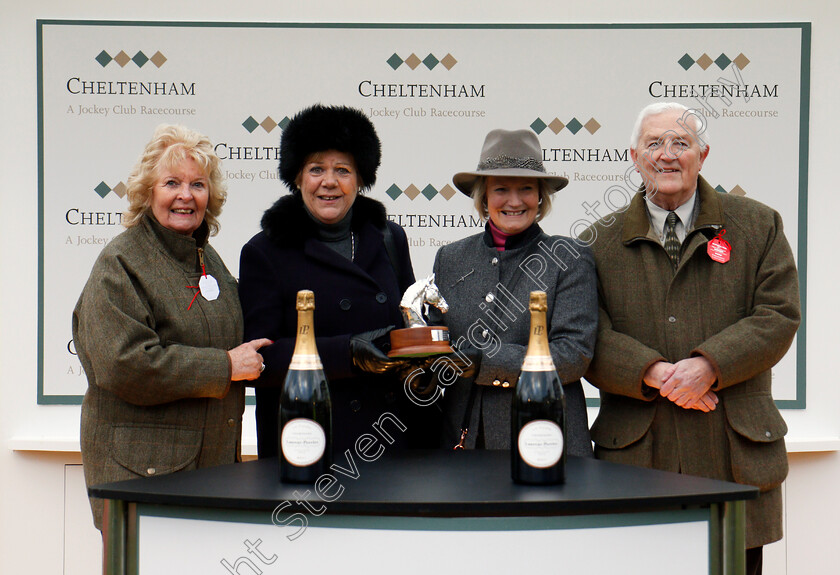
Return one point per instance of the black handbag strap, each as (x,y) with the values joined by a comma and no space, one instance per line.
(465,423)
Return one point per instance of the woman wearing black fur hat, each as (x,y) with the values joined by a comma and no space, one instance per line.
(327,237)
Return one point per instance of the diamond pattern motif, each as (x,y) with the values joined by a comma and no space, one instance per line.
(430,61)
(122,59)
(412,61)
(704,61)
(538,126)
(556,126)
(140,59)
(102,189)
(448,191)
(741,61)
(592,126)
(103,58)
(158,59)
(250,124)
(429,191)
(574,126)
(686,62)
(723,61)
(394,61)
(411,191)
(120,189)
(449,61)
(268,124)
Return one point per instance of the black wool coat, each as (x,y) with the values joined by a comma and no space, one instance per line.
(350,297)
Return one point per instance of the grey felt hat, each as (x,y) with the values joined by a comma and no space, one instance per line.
(509,153)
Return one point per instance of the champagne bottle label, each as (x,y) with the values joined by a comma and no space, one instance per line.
(303,442)
(538,363)
(306,362)
(540,443)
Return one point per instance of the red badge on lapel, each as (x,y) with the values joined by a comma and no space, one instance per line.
(718,248)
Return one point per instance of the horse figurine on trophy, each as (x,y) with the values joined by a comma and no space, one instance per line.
(419,339)
(421,294)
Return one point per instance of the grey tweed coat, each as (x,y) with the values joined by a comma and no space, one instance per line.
(159,395)
(487,292)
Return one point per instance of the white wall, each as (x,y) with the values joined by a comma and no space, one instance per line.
(33,506)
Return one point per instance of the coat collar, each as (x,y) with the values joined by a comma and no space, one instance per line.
(286,222)
(513,242)
(637,225)
(179,247)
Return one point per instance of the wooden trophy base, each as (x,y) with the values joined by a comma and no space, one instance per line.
(419,341)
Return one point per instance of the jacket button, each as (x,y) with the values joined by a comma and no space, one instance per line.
(672,319)
(381,297)
(356,405)
(495,261)
(505,384)
(496,382)
(151,471)
(768,434)
(489,298)
(231,422)
(485,333)
(345,304)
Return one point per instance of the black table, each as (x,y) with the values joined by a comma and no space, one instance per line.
(419,505)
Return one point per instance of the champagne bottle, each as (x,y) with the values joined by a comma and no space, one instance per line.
(305,430)
(538,416)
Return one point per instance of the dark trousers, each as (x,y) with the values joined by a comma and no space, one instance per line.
(754,560)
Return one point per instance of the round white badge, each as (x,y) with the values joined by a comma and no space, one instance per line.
(540,443)
(209,287)
(303,442)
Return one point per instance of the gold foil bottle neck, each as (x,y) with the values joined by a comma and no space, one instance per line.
(538,301)
(305,355)
(305,300)
(538,354)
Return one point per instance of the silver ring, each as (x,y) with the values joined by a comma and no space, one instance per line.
(262,368)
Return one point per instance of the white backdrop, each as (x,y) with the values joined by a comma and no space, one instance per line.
(433,92)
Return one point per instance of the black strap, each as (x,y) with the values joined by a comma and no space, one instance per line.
(465,424)
(391,248)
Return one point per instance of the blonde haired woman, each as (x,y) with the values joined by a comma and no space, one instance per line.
(158,326)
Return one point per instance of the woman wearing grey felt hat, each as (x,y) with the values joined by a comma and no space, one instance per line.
(487,278)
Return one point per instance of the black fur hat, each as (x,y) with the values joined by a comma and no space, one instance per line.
(321,128)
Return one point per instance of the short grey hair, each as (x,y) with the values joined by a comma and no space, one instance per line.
(700,124)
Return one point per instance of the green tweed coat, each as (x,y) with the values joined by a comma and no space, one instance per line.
(740,315)
(159,395)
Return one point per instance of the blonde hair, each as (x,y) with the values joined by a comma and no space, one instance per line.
(170,145)
(479,197)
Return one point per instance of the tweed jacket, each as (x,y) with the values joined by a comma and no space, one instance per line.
(351,297)
(159,395)
(740,315)
(488,292)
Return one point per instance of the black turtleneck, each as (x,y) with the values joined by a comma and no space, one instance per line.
(335,236)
